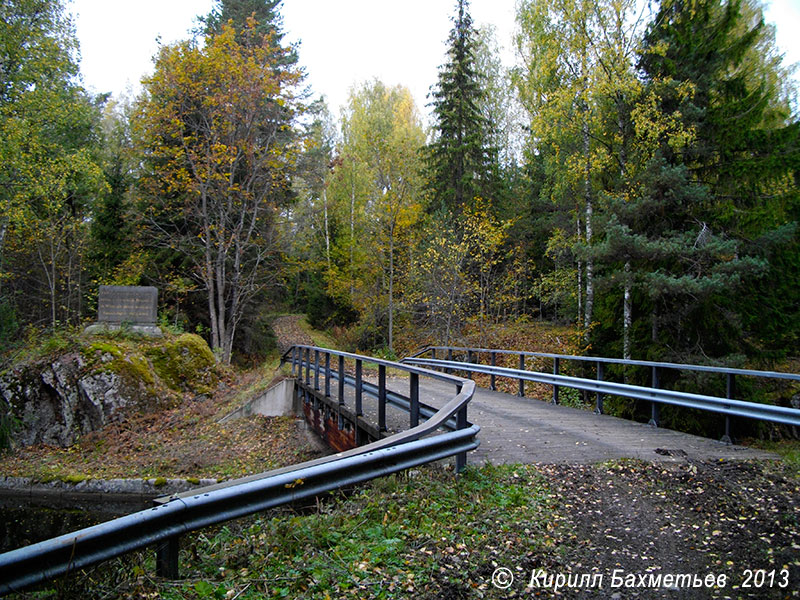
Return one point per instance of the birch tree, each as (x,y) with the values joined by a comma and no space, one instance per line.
(214,128)
(379,188)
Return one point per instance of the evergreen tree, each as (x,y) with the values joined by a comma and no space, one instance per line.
(265,12)
(111,229)
(459,162)
(713,63)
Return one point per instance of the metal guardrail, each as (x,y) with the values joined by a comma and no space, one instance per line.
(728,406)
(451,350)
(321,366)
(163,524)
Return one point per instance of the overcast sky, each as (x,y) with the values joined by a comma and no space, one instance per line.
(343,42)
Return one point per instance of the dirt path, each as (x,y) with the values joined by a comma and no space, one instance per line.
(729,519)
(288,331)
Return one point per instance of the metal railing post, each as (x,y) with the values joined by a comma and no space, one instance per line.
(493,379)
(450,359)
(316,370)
(433,353)
(308,365)
(341,381)
(359,388)
(327,374)
(359,398)
(413,395)
(555,372)
(167,558)
(340,390)
(381,398)
(521,392)
(729,392)
(654,412)
(294,360)
(469,360)
(598,408)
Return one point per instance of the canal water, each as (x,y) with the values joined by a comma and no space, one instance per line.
(23,522)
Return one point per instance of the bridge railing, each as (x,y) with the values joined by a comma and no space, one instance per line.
(162,525)
(469,360)
(318,375)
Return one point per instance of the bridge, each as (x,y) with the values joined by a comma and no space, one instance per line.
(530,430)
(384,417)
(519,429)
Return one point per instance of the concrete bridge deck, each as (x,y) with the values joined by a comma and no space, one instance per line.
(527,430)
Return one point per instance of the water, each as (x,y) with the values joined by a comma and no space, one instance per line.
(23,522)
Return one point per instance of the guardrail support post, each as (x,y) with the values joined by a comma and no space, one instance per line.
(294,360)
(555,387)
(449,358)
(654,416)
(493,380)
(598,409)
(381,398)
(461,423)
(413,396)
(308,366)
(469,360)
(433,353)
(167,558)
(729,392)
(521,392)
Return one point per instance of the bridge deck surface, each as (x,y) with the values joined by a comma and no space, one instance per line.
(527,430)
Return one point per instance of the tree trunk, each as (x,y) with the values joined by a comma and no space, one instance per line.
(626,314)
(587,322)
(391,289)
(352,233)
(579,317)
(327,230)
(220,300)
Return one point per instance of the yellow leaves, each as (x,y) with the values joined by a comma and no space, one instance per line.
(203,117)
(652,124)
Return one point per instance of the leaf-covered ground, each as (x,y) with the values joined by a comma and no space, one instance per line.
(186,441)
(427,534)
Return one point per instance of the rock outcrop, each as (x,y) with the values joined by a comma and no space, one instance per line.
(57,400)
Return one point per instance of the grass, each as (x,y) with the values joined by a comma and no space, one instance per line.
(423,534)
(321,338)
(428,534)
(788,450)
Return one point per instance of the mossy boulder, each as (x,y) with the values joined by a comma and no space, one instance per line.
(57,399)
(186,364)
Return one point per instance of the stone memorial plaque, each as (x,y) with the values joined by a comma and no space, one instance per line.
(127,304)
(134,306)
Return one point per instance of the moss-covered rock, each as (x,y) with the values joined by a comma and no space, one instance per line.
(185,364)
(54,400)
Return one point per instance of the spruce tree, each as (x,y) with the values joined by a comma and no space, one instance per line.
(708,206)
(459,164)
(265,12)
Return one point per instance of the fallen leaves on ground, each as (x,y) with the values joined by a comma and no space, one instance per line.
(187,442)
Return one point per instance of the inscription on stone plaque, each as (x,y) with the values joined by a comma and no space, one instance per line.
(126,305)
